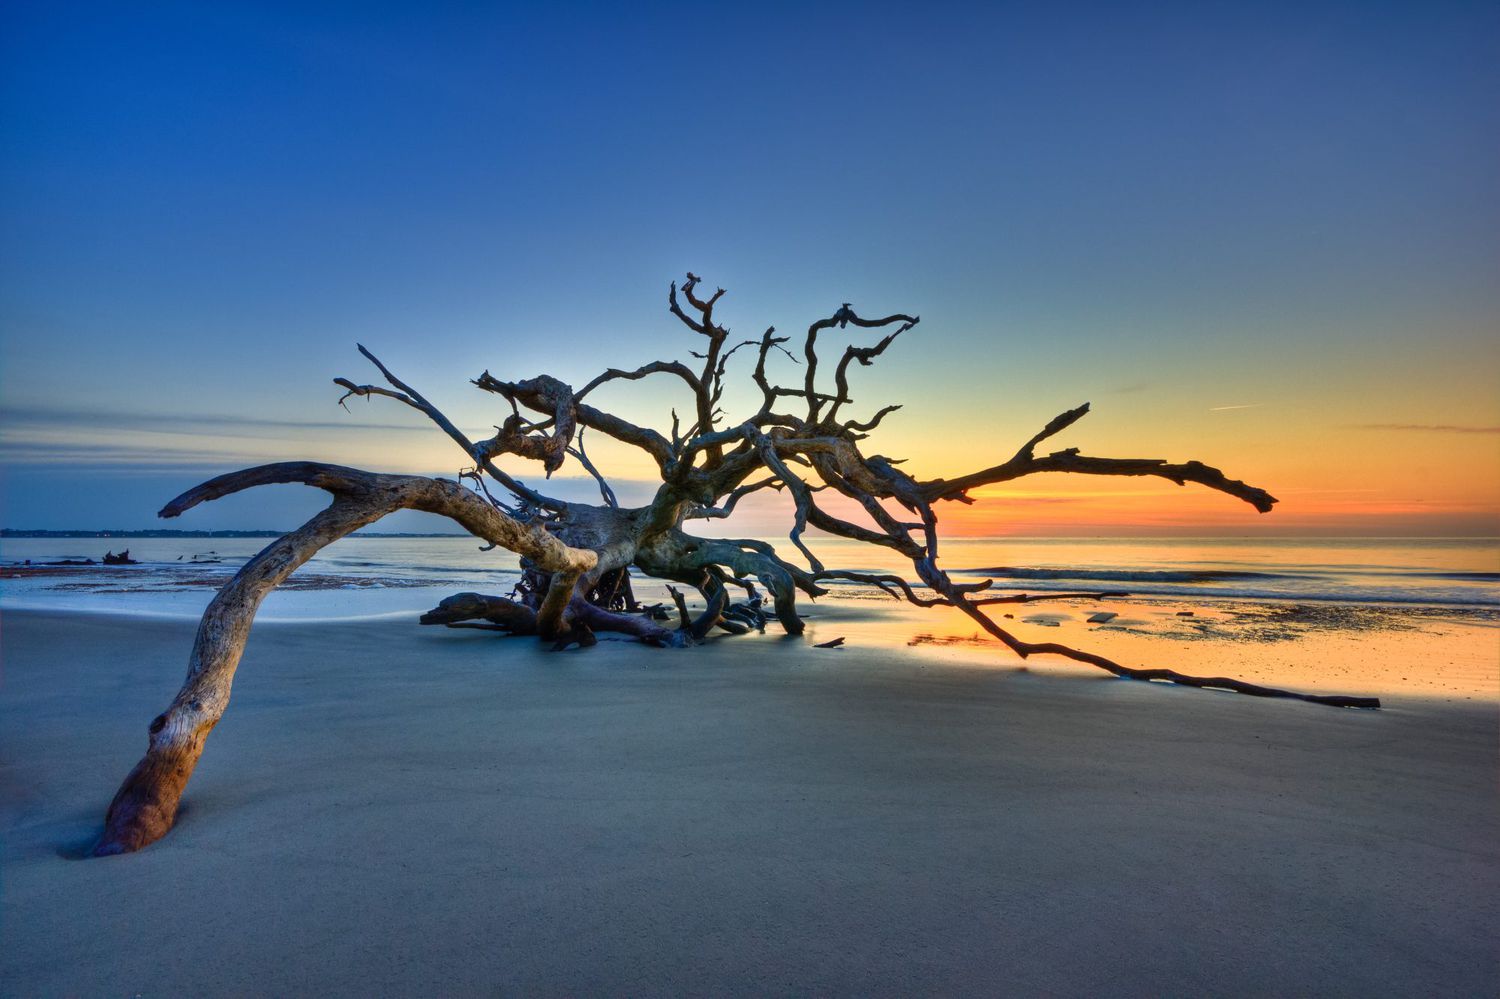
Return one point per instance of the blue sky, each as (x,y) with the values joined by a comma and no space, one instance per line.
(1166,209)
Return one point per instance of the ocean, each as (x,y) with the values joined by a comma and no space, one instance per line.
(1419,616)
(362,576)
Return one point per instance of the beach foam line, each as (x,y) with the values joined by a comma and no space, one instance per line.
(96,610)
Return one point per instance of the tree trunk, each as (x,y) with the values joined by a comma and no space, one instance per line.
(146,804)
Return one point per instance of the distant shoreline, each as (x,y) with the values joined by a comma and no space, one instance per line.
(1270,539)
(13,533)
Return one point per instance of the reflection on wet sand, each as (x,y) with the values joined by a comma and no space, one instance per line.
(1448,652)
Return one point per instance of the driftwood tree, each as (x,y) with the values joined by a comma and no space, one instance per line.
(577,557)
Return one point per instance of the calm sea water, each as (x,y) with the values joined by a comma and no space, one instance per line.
(371,576)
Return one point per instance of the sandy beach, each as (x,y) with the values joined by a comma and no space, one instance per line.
(387,809)
(1000,499)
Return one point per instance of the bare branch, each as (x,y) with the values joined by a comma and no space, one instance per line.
(655,367)
(1055,426)
(723,510)
(604,488)
(146,805)
(373,390)
(536,396)
(865,356)
(874,421)
(1071,461)
(413,398)
(1027,649)
(841,318)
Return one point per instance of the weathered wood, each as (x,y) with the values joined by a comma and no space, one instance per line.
(502,612)
(576,557)
(146,804)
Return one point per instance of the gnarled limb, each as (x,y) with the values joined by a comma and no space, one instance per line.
(664,367)
(1069,460)
(411,397)
(542,397)
(685,558)
(1026,649)
(515,618)
(145,806)
(501,613)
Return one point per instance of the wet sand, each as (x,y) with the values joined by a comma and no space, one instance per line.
(401,810)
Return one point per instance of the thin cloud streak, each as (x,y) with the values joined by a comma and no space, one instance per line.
(180,422)
(1435,428)
(17,453)
(1248,405)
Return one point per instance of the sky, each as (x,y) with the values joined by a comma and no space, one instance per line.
(1265,236)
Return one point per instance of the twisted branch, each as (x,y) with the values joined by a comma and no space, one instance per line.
(145,807)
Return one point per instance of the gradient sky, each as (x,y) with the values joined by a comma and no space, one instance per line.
(1264,236)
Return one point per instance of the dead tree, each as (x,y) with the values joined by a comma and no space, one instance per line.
(577,558)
